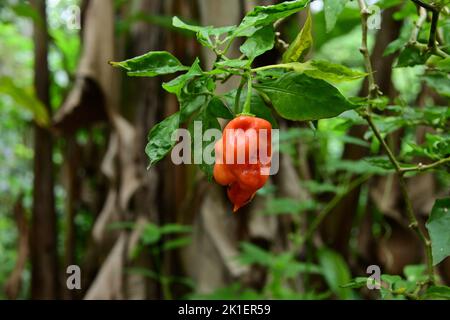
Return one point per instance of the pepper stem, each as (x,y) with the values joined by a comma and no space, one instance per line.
(248,98)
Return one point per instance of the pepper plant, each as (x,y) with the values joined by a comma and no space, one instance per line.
(304,90)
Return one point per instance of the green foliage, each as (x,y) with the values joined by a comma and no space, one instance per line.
(25,99)
(438,226)
(260,42)
(262,16)
(301,44)
(332,10)
(336,272)
(160,142)
(412,55)
(299,97)
(151,64)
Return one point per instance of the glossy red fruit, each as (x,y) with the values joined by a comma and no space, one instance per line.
(243,158)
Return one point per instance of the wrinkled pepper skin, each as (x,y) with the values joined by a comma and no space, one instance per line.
(243,173)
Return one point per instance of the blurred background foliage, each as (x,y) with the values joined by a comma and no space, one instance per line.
(311,266)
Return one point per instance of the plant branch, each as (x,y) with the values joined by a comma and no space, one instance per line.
(423,167)
(433,28)
(332,204)
(425,5)
(373,91)
(237,98)
(418,25)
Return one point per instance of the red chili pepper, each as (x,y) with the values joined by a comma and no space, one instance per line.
(243,158)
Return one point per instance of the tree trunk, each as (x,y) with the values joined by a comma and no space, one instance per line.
(44,270)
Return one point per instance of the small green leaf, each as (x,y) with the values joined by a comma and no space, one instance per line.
(219,109)
(176,243)
(438,226)
(151,64)
(437,292)
(171,228)
(356,283)
(252,254)
(299,97)
(209,121)
(331,72)
(443,65)
(203,33)
(259,43)
(335,272)
(262,16)
(332,9)
(415,273)
(150,234)
(302,43)
(319,69)
(411,56)
(26,99)
(278,206)
(176,85)
(439,81)
(190,105)
(160,138)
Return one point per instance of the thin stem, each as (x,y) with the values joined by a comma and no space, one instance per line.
(377,133)
(248,98)
(237,98)
(423,167)
(332,204)
(413,223)
(418,25)
(424,5)
(433,28)
(373,89)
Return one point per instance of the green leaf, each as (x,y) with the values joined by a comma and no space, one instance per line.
(171,228)
(262,16)
(332,9)
(278,206)
(319,69)
(203,33)
(260,42)
(176,85)
(27,11)
(26,99)
(331,72)
(299,97)
(160,142)
(411,56)
(415,273)
(438,226)
(302,43)
(356,283)
(443,65)
(219,109)
(151,64)
(190,105)
(293,268)
(252,254)
(176,243)
(437,292)
(150,234)
(335,272)
(439,81)
(209,121)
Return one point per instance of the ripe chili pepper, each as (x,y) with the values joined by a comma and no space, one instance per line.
(243,158)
